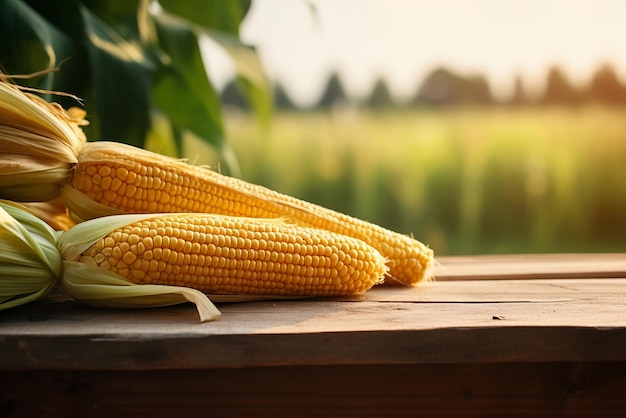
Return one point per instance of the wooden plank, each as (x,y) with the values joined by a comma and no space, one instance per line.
(531,266)
(452,390)
(437,323)
(501,291)
(579,302)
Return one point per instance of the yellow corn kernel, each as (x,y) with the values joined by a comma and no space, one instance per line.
(145,182)
(229,255)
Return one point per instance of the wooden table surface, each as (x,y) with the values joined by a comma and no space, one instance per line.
(543,335)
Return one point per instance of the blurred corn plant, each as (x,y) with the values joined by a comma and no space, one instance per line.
(134,63)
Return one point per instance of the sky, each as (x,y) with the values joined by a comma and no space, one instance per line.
(301,41)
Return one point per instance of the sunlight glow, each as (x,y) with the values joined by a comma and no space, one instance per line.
(403,40)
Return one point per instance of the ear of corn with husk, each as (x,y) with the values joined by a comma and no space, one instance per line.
(147,260)
(104,178)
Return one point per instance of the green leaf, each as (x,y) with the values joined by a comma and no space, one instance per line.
(120,51)
(121,82)
(251,79)
(222,15)
(183,91)
(185,109)
(120,16)
(220,21)
(29,43)
(261,99)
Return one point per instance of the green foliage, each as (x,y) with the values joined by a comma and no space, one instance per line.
(334,93)
(132,61)
(605,86)
(380,97)
(559,90)
(443,87)
(282,100)
(231,97)
(120,82)
(224,16)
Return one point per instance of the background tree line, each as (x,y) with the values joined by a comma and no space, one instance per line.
(443,87)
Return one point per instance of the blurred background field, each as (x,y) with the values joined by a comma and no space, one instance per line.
(464,180)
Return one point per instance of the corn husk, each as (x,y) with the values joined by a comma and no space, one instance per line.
(98,287)
(30,262)
(39,144)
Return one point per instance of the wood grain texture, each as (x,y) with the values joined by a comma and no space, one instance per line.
(531,266)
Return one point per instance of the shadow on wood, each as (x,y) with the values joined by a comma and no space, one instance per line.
(459,390)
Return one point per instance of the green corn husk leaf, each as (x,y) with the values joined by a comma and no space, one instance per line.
(30,262)
(95,286)
(99,287)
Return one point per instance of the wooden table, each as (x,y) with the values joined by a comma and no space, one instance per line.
(492,336)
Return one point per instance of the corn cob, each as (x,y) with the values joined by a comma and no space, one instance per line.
(218,254)
(111,178)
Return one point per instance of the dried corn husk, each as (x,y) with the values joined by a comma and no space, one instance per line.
(40,142)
